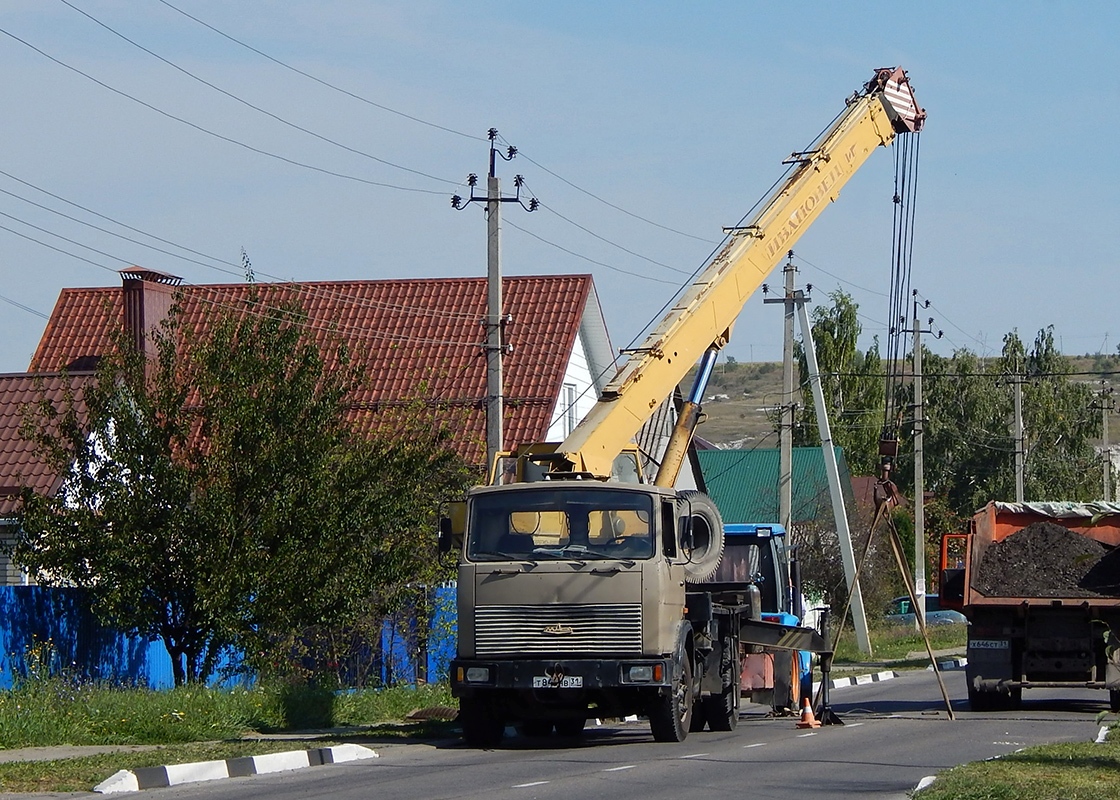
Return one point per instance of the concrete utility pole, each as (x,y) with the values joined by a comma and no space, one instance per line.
(495,320)
(786,411)
(847,552)
(1107,405)
(919,468)
(1018,434)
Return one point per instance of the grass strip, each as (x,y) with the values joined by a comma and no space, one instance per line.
(1071,771)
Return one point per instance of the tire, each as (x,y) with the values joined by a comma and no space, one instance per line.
(1014,701)
(535,728)
(722,710)
(699,718)
(980,701)
(670,718)
(1114,700)
(482,728)
(570,727)
(707,527)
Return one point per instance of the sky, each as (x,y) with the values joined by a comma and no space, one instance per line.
(642,128)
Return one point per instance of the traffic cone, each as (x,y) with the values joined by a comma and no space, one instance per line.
(807,718)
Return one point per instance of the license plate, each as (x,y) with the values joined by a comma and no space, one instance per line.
(989,644)
(567,682)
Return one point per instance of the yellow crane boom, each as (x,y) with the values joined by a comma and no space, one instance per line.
(703,316)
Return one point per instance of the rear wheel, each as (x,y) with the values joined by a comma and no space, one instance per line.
(722,710)
(670,717)
(1015,698)
(481,726)
(979,701)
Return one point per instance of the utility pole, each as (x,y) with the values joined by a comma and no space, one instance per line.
(1107,404)
(495,320)
(786,411)
(919,468)
(1018,434)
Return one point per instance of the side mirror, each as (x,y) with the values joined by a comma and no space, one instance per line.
(686,534)
(445,535)
(452,526)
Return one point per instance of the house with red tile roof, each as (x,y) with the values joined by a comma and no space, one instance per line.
(418,340)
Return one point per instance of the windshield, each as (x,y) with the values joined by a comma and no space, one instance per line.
(563,524)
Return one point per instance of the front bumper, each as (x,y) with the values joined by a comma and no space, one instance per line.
(559,675)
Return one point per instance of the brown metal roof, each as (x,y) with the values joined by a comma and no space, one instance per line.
(19,463)
(420,340)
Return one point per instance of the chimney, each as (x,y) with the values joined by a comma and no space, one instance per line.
(148,295)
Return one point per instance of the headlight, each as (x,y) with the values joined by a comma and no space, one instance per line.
(478,674)
(643,673)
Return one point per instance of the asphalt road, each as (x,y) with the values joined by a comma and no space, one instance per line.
(895,733)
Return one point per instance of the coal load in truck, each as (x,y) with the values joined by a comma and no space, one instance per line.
(1045,559)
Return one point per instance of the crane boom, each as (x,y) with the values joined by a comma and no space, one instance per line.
(703,316)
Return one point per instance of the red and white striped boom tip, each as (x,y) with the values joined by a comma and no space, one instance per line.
(898,96)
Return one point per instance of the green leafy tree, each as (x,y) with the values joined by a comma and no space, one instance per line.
(217,495)
(969,445)
(852,385)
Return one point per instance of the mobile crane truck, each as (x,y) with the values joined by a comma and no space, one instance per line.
(1040,586)
(580,587)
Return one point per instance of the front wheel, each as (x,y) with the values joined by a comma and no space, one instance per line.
(481,726)
(670,717)
(570,727)
(1114,700)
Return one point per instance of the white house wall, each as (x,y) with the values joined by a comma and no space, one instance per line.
(578,375)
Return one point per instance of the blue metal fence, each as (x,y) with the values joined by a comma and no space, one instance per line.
(53,630)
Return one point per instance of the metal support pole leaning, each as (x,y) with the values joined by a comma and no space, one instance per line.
(847,552)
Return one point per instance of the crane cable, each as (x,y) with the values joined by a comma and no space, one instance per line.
(902,245)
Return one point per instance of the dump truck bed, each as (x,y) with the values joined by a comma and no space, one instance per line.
(996,522)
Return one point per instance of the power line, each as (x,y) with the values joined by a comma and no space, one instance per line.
(586,258)
(22,307)
(594,196)
(612,244)
(256,108)
(810,264)
(320,81)
(421,121)
(215,134)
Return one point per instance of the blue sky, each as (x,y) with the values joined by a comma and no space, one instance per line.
(678,113)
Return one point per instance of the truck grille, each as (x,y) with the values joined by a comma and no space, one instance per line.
(559,630)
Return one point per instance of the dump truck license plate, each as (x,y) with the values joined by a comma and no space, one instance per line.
(567,682)
(989,644)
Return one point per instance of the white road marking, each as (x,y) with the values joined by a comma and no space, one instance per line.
(852,724)
(803,735)
(757,744)
(619,769)
(696,755)
(527,785)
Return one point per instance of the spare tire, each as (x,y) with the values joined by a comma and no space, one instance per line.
(707,534)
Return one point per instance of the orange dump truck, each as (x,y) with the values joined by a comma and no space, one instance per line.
(1040,586)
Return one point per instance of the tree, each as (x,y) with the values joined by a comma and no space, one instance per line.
(968,442)
(218,495)
(852,385)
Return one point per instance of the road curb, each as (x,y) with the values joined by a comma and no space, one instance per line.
(861,680)
(175,774)
(953,663)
